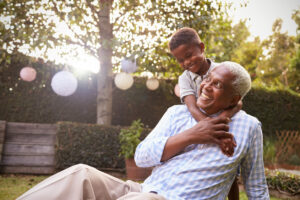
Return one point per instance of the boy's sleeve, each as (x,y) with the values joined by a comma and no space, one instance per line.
(186,85)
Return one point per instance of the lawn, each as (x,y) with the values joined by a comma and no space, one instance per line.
(12,186)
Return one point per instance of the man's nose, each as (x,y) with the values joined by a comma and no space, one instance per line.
(207,86)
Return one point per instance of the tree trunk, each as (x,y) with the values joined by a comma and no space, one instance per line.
(104,86)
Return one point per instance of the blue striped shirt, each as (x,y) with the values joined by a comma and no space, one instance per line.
(202,171)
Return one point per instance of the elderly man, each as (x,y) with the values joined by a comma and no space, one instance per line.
(186,156)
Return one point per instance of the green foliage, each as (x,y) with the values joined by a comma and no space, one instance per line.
(276,109)
(274,70)
(269,151)
(95,145)
(130,138)
(122,28)
(283,182)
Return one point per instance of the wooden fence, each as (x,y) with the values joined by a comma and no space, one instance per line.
(27,148)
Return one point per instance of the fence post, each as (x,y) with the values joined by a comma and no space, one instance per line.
(2,137)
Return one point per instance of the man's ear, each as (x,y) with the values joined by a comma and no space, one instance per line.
(235,100)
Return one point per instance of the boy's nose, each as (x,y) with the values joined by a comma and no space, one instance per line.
(186,63)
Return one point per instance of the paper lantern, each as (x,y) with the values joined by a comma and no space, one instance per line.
(177,90)
(27,74)
(152,84)
(64,83)
(123,81)
(128,66)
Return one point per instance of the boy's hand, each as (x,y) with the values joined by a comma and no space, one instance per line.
(227,146)
(231,111)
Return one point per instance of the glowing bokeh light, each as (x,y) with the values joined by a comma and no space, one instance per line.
(128,66)
(152,84)
(64,83)
(123,81)
(27,74)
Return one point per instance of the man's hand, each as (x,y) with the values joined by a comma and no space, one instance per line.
(214,131)
(207,131)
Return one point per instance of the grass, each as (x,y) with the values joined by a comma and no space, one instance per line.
(12,186)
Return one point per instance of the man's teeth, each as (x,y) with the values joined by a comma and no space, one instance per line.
(203,95)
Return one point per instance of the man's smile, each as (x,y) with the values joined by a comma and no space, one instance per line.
(204,96)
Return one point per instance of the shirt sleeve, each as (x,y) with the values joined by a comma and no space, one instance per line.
(149,152)
(252,168)
(186,86)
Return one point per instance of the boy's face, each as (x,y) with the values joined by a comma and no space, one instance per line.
(191,57)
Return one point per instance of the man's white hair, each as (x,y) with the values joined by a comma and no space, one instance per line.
(242,79)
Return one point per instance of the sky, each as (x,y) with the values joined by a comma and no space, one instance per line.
(261,15)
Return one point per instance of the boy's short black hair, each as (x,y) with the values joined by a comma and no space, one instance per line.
(184,36)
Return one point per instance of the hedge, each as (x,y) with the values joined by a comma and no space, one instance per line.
(95,145)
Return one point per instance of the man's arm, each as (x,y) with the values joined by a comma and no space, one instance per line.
(150,151)
(252,168)
(207,131)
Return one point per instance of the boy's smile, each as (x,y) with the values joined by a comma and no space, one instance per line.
(191,58)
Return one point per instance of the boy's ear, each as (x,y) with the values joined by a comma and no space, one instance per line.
(202,46)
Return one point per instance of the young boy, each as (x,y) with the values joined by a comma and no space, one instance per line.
(186,46)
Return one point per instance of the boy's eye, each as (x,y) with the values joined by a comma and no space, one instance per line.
(180,60)
(207,79)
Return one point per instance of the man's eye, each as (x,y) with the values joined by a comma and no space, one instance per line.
(218,85)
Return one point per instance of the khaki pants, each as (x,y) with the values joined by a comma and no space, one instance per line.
(82,182)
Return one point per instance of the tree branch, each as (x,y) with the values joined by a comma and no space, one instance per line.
(94,12)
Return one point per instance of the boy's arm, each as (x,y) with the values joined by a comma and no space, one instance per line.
(231,111)
(190,101)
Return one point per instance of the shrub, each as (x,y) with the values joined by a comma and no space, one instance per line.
(130,138)
(95,145)
(283,182)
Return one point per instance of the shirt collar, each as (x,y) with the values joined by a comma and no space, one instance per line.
(212,115)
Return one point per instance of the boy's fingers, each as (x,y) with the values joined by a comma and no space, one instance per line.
(222,135)
(221,119)
(223,127)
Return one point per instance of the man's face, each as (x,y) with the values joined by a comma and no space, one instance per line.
(191,57)
(216,91)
